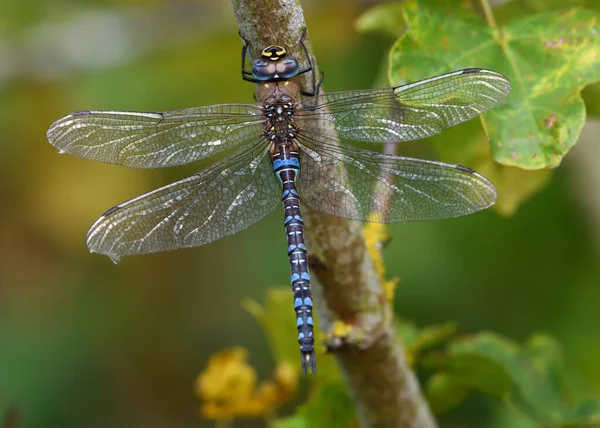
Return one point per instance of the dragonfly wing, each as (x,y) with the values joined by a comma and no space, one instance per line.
(152,140)
(408,112)
(233,194)
(368,186)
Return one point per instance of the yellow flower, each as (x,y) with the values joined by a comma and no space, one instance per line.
(341,329)
(228,387)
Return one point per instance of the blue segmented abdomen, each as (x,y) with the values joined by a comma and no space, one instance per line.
(281,166)
(286,167)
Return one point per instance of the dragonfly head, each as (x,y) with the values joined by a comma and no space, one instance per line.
(274,63)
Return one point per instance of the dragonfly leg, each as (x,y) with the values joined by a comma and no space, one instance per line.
(315,86)
(316,90)
(246,75)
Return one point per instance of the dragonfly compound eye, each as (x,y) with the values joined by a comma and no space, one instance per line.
(274,63)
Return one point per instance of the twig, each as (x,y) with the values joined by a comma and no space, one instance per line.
(385,391)
(487,13)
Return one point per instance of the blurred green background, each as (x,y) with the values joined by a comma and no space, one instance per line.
(86,343)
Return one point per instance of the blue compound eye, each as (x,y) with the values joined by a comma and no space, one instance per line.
(274,63)
(287,67)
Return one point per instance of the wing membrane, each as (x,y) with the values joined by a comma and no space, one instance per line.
(236,192)
(151,140)
(409,112)
(362,185)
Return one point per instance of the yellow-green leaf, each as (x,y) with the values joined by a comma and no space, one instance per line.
(385,18)
(549,58)
(277,321)
(445,392)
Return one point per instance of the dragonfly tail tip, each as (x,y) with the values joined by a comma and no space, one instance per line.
(309,360)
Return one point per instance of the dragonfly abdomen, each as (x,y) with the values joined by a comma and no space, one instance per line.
(286,167)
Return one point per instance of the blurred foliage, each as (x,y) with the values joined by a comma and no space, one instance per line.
(384,18)
(529,379)
(87,343)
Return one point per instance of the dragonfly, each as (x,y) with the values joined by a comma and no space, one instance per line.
(291,146)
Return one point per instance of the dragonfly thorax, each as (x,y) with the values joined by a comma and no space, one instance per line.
(279,106)
(280,126)
(277,92)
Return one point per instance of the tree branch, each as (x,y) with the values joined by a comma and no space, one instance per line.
(384,389)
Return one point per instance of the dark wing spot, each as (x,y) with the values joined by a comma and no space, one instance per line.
(81,113)
(465,169)
(111,210)
(471,70)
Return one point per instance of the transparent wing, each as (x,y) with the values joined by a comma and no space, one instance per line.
(409,112)
(233,194)
(152,140)
(363,185)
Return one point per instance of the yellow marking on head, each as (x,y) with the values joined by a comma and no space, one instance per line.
(273,52)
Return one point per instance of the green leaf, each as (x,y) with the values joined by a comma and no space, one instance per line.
(407,331)
(549,58)
(416,340)
(277,321)
(528,378)
(291,422)
(445,392)
(384,18)
(480,372)
(433,335)
(514,185)
(330,406)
